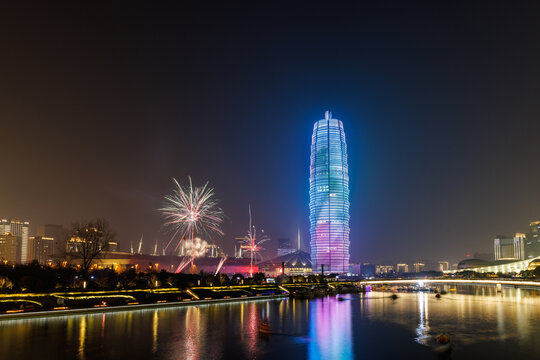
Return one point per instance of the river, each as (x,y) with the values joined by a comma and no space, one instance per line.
(482,324)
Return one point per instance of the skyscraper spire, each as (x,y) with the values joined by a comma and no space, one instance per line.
(298,238)
(327,115)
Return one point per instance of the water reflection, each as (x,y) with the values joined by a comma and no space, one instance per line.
(82,337)
(330,330)
(422,331)
(191,350)
(482,323)
(155,323)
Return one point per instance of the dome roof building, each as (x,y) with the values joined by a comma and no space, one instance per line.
(296,263)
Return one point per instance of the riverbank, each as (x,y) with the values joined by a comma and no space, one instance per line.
(102,309)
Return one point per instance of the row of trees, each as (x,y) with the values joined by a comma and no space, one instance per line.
(37,278)
(525,274)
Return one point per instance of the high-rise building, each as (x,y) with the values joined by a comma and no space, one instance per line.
(532,246)
(329,197)
(20,230)
(41,248)
(285,247)
(58,233)
(8,248)
(510,248)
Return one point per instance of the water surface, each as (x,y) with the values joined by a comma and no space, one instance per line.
(482,324)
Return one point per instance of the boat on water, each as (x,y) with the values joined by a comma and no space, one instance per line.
(264,327)
(442,343)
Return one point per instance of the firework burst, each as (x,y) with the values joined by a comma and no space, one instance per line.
(191,211)
(252,243)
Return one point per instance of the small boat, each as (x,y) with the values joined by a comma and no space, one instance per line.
(264,327)
(443,343)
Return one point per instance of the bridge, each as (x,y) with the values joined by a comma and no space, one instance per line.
(422,282)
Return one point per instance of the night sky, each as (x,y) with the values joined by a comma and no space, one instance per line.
(100,106)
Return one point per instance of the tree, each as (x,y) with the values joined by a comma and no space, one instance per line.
(5,283)
(259,278)
(88,242)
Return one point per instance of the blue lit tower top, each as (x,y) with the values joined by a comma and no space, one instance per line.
(329,197)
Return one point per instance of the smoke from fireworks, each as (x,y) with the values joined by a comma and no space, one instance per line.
(191,211)
(195,248)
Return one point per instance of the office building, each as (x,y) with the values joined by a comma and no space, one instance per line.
(367,269)
(57,232)
(384,269)
(329,197)
(418,267)
(510,248)
(41,248)
(8,248)
(355,269)
(444,266)
(20,230)
(532,241)
(402,268)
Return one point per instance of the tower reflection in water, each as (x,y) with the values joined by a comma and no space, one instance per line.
(422,331)
(330,330)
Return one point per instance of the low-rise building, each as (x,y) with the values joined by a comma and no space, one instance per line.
(384,269)
(418,267)
(402,268)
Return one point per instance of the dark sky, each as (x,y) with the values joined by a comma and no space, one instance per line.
(101,105)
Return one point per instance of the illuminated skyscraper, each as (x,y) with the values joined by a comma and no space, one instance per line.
(20,230)
(329,197)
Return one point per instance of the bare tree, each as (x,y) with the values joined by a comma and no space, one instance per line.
(88,241)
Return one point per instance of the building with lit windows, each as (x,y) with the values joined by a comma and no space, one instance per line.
(19,229)
(384,269)
(8,248)
(57,232)
(418,267)
(296,263)
(443,266)
(402,268)
(329,197)
(510,248)
(41,248)
(532,241)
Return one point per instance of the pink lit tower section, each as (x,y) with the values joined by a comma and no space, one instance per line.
(329,197)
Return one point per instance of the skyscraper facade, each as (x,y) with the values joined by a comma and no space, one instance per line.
(20,230)
(329,197)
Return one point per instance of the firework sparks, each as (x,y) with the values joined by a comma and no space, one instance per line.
(191,211)
(252,243)
(221,262)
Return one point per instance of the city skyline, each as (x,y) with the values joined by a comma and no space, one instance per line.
(442,124)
